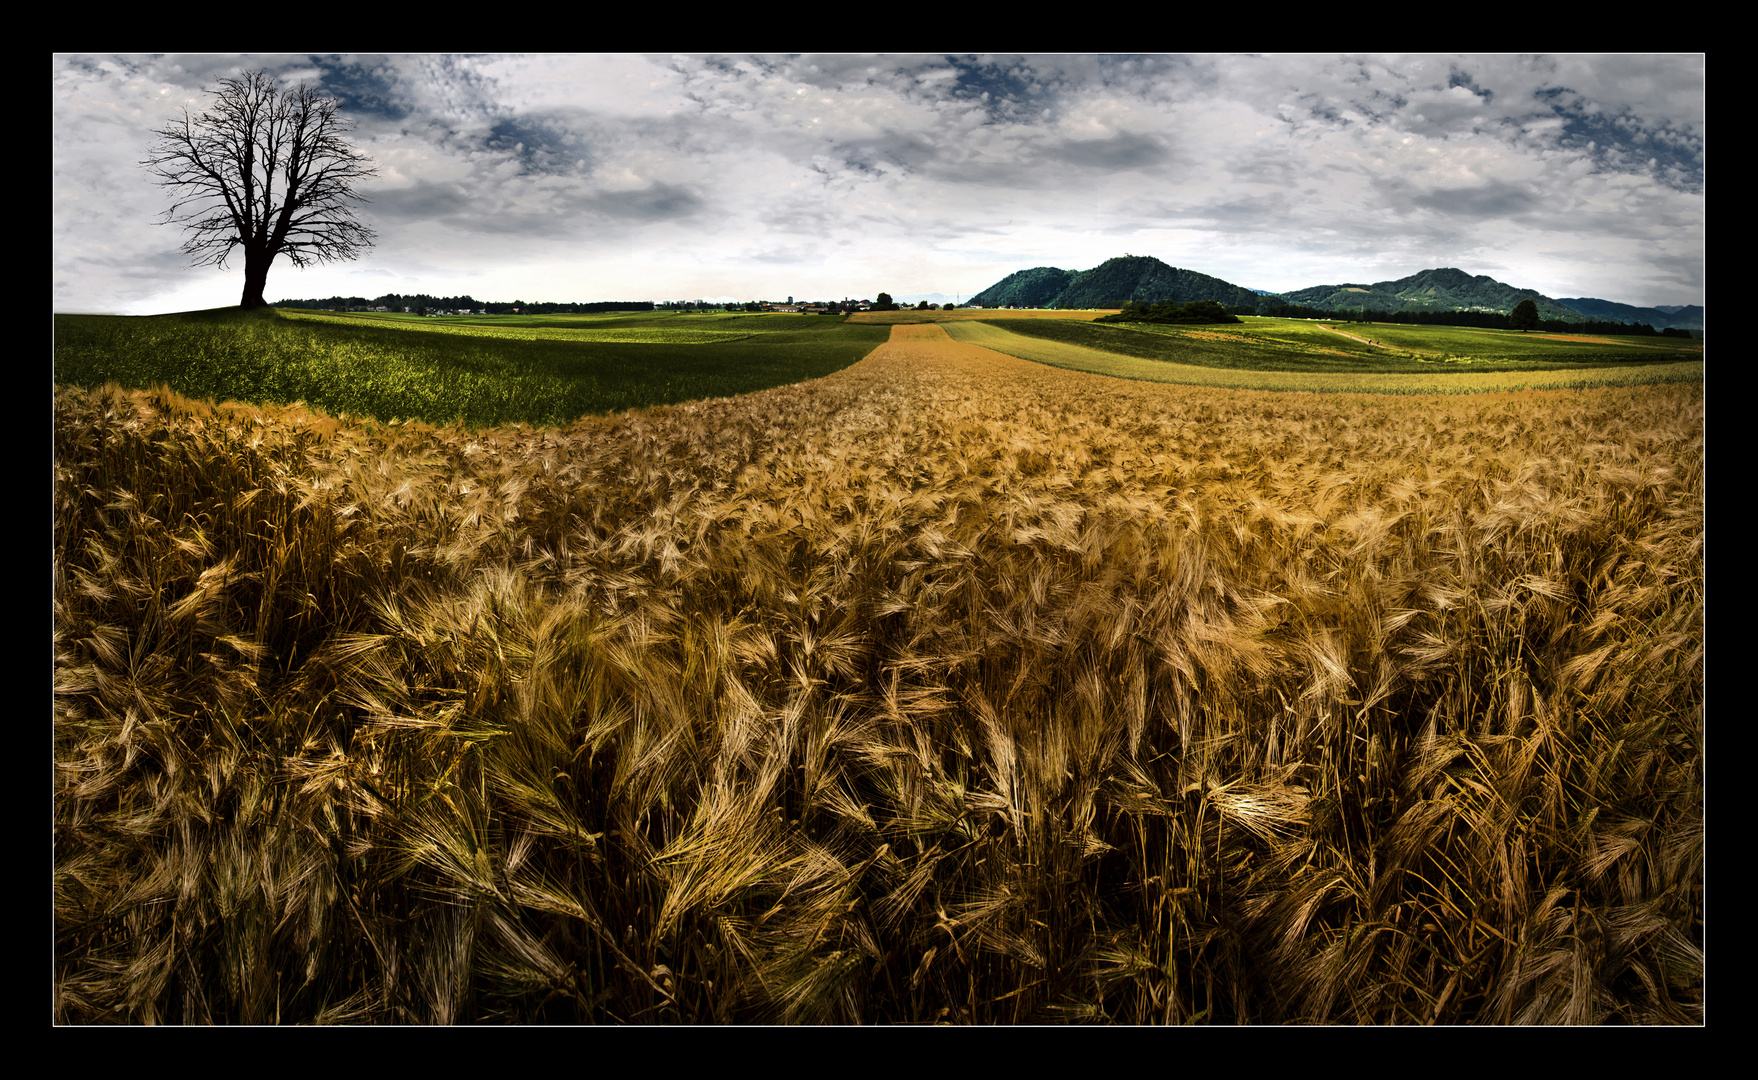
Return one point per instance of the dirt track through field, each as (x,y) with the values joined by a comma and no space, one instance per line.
(934,366)
(1353,337)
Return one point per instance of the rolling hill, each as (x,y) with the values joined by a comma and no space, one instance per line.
(1141,279)
(1688,318)
(1445,289)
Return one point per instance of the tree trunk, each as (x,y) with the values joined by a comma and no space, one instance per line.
(256,276)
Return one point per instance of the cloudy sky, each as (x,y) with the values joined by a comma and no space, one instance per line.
(653,177)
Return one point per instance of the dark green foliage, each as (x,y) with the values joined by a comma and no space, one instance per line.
(1130,279)
(1524,316)
(422,303)
(1037,287)
(1201,311)
(1275,309)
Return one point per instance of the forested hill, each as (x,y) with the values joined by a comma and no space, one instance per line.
(1037,287)
(1445,289)
(1138,279)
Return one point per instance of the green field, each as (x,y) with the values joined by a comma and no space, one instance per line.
(1297,345)
(1286,354)
(483,372)
(551,369)
(1459,344)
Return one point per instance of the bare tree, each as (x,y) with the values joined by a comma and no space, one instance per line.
(265,171)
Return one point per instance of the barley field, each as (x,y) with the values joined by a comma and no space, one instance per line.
(946,688)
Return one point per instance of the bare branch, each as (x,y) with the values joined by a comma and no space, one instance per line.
(266,173)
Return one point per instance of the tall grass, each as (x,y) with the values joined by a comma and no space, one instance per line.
(948,688)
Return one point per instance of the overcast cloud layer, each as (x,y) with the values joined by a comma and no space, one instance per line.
(628,177)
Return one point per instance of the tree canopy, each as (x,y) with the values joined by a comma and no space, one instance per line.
(1199,311)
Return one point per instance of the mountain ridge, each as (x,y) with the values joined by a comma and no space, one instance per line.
(1444,288)
(1140,279)
(1685,317)
(1144,279)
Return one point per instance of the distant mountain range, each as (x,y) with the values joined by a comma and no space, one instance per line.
(1446,289)
(1143,279)
(1688,317)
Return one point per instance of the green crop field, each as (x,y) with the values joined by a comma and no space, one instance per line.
(678,321)
(1515,343)
(1286,354)
(482,372)
(549,328)
(487,370)
(1459,344)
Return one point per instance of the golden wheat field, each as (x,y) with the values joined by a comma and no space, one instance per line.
(948,688)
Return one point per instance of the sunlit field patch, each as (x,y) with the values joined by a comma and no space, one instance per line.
(1215,358)
(689,334)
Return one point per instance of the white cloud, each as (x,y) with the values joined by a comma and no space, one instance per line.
(628,177)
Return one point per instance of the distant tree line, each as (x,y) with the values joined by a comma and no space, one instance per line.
(687,306)
(1197,311)
(1290,311)
(422,304)
(570,309)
